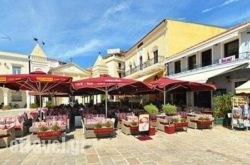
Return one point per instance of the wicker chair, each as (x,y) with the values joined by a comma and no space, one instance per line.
(160,125)
(125,128)
(6,136)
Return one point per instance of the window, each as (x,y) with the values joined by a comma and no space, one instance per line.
(119,65)
(238,83)
(191,62)
(155,56)
(206,58)
(141,64)
(232,48)
(130,68)
(16,70)
(177,67)
(16,96)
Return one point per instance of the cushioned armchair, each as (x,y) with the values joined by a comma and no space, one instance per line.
(6,136)
(160,125)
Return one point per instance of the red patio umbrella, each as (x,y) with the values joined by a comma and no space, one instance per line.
(38,82)
(106,84)
(166,84)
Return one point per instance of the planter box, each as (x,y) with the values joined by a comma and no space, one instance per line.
(170,129)
(103,131)
(203,123)
(181,125)
(49,134)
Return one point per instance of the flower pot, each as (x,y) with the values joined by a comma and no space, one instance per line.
(151,131)
(134,129)
(170,129)
(218,121)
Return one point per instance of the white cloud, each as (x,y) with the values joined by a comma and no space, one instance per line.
(218,6)
(228,2)
(208,10)
(80,50)
(123,6)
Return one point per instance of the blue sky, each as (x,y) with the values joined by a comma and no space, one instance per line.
(79,29)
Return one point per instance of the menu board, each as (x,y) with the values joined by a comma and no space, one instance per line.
(143,122)
(239,100)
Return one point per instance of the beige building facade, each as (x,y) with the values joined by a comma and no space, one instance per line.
(222,60)
(14,63)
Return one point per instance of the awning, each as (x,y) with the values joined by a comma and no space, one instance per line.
(144,78)
(202,77)
(244,88)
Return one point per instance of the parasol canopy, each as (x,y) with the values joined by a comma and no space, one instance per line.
(106,84)
(37,82)
(166,84)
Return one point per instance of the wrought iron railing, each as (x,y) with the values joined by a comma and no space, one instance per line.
(144,65)
(242,56)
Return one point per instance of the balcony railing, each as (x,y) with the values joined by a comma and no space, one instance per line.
(242,56)
(121,68)
(144,65)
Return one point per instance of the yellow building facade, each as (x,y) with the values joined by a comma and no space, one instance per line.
(166,39)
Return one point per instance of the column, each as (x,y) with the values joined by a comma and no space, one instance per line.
(190,98)
(27,100)
(5,96)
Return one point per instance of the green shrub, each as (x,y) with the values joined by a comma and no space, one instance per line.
(6,107)
(49,103)
(222,104)
(98,125)
(55,127)
(169,109)
(43,128)
(151,109)
(107,124)
(133,123)
(33,105)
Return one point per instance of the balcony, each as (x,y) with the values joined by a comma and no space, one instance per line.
(145,65)
(242,57)
(121,69)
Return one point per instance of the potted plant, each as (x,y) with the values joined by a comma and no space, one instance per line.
(134,127)
(134,123)
(152,110)
(55,127)
(98,125)
(169,109)
(103,129)
(221,106)
(43,128)
(107,124)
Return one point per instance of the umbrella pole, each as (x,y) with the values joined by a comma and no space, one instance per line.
(164,95)
(106,103)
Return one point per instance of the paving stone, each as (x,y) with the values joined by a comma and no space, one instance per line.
(92,158)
